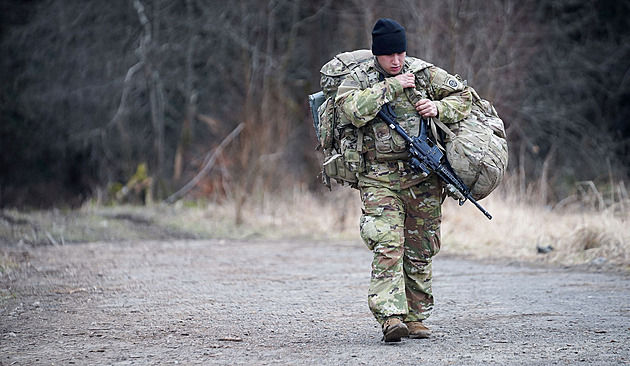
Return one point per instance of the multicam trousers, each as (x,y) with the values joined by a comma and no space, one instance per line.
(402,228)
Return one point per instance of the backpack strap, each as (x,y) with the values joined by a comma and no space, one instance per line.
(360,75)
(420,69)
(427,84)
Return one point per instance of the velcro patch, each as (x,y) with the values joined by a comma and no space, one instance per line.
(452,83)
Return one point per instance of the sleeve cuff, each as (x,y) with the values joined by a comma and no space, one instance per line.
(440,108)
(394,87)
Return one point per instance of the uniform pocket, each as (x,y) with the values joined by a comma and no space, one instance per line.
(351,154)
(369,230)
(434,243)
(382,137)
(389,144)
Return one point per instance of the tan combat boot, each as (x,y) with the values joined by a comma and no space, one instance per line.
(394,329)
(418,330)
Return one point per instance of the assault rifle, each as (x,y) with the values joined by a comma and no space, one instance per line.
(426,158)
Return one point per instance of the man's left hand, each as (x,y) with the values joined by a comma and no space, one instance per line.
(426,108)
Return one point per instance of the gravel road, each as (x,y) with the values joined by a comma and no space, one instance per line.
(291,303)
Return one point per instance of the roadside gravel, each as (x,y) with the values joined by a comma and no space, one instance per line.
(290,303)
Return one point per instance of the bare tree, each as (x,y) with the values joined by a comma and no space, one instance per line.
(107,86)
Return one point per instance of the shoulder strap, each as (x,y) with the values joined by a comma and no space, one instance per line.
(415,64)
(360,75)
(420,69)
(427,82)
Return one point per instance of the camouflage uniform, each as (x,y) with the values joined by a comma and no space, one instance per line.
(401,209)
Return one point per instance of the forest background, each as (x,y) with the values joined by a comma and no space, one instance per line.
(97,98)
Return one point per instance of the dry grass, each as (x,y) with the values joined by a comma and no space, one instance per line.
(294,215)
(518,230)
(577,235)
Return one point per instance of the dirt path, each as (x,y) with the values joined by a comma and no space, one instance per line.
(259,303)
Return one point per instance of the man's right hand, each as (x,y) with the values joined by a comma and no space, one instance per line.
(406,80)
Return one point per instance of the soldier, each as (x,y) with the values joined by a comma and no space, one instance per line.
(401,209)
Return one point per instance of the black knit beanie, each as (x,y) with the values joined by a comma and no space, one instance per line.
(388,37)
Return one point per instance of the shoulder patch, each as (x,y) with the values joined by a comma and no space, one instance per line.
(451,83)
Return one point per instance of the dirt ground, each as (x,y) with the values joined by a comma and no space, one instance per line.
(290,303)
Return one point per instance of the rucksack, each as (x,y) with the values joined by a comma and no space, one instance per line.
(340,143)
(477,150)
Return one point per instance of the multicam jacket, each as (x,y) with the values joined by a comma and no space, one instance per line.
(361,96)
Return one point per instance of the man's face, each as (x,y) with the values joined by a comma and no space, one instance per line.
(392,64)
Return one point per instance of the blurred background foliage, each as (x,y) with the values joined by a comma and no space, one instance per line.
(95,94)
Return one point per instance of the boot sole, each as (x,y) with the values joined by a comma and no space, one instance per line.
(396,333)
(420,335)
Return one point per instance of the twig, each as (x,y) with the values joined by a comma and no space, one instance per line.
(51,239)
(230,339)
(210,162)
(599,196)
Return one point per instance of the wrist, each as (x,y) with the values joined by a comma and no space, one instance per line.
(393,87)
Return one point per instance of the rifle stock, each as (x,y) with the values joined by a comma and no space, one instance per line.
(427,158)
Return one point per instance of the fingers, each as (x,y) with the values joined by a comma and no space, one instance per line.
(426,108)
(406,80)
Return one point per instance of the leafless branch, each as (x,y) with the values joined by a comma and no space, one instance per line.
(211,159)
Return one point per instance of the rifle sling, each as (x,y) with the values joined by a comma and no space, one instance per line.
(360,140)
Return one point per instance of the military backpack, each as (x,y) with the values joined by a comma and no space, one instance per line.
(339,142)
(477,148)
